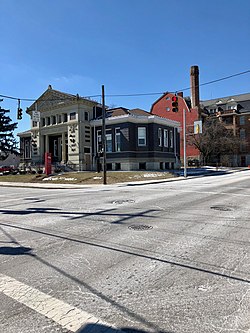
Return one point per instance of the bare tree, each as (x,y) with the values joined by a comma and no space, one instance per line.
(215,141)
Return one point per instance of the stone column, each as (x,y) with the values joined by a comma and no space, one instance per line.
(63,148)
(46,143)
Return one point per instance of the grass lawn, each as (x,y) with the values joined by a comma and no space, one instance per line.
(86,177)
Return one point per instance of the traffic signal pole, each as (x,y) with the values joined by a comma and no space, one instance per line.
(184,144)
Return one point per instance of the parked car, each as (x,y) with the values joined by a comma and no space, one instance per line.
(194,163)
(5,170)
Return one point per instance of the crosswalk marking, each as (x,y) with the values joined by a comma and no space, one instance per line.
(66,315)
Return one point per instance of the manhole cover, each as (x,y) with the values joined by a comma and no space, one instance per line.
(120,202)
(222,208)
(140,227)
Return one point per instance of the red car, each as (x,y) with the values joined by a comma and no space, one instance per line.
(5,169)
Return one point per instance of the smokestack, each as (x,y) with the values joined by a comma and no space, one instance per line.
(195,92)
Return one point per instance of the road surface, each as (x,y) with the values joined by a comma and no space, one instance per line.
(162,257)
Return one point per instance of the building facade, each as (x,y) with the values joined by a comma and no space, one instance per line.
(64,130)
(137,140)
(163,107)
(234,113)
(70,128)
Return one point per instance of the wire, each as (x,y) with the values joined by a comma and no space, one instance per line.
(217,80)
(49,100)
(124,95)
(142,94)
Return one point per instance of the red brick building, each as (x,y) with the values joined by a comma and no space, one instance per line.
(163,107)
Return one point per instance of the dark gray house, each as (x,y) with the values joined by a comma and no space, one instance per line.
(137,140)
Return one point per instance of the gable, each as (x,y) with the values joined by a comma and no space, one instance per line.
(51,99)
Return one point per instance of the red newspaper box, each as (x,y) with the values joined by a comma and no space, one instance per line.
(48,163)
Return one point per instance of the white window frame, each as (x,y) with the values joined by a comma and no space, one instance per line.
(142,136)
(109,142)
(117,141)
(72,115)
(165,138)
(171,139)
(98,140)
(86,115)
(160,136)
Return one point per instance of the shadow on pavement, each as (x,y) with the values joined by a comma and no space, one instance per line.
(100,328)
(13,251)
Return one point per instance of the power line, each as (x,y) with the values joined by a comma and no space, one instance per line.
(122,95)
(218,80)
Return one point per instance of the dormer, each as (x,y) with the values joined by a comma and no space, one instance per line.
(231,104)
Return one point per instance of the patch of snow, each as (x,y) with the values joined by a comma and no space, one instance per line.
(59,178)
(147,175)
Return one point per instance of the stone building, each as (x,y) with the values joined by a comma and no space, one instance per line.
(70,128)
(234,113)
(63,130)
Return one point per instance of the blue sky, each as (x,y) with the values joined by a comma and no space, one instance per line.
(131,46)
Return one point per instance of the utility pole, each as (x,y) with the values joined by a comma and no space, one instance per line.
(184,144)
(104,165)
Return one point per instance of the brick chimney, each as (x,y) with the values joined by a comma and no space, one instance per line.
(195,92)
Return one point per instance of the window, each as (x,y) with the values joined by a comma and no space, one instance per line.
(142,166)
(228,120)
(243,147)
(168,109)
(53,120)
(59,118)
(43,121)
(26,148)
(141,136)
(87,150)
(72,116)
(165,138)
(117,166)
(212,110)
(160,137)
(48,121)
(242,133)
(99,140)
(65,117)
(109,142)
(109,166)
(171,141)
(117,139)
(34,123)
(86,116)
(242,120)
(231,107)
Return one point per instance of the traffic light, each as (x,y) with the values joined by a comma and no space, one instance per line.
(19,113)
(175,104)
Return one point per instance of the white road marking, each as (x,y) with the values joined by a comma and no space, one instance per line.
(66,315)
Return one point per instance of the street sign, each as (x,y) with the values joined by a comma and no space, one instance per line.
(36,116)
(198,127)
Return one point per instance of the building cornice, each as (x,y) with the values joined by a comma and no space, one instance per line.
(137,120)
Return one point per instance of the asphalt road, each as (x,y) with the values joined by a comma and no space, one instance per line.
(163,257)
